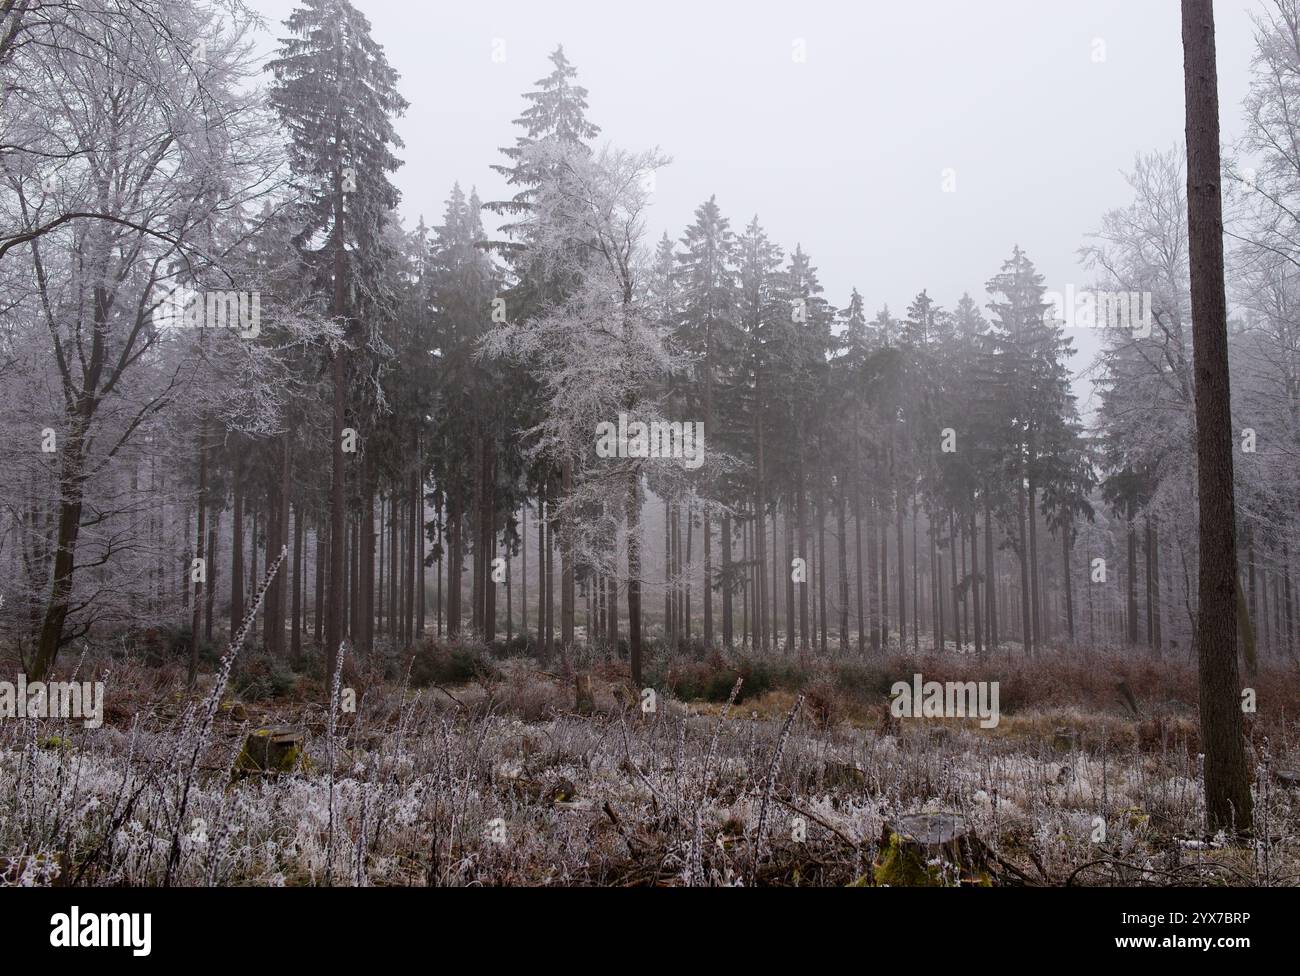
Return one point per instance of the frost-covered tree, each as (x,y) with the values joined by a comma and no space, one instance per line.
(599,351)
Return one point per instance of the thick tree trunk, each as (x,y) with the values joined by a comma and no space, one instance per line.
(1227,788)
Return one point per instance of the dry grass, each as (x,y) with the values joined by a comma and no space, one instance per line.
(499,780)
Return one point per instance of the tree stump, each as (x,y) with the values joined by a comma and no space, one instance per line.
(930,850)
(1065,740)
(585,698)
(272,750)
(1288,777)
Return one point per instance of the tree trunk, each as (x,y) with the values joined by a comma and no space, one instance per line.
(202,503)
(209,599)
(974,581)
(1227,788)
(991,592)
(295,639)
(728,623)
(634,579)
(1026,629)
(237,546)
(843,568)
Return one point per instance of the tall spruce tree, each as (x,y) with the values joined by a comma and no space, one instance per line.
(336,96)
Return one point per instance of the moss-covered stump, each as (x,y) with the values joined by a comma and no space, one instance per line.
(270,751)
(930,850)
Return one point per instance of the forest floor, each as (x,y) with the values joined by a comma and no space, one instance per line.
(462,766)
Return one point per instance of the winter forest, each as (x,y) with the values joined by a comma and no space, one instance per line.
(559,538)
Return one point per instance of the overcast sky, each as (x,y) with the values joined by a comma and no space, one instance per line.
(845,151)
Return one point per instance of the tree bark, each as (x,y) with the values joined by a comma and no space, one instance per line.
(1227,788)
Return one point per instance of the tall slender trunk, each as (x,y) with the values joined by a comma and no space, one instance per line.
(634,579)
(857,576)
(884,576)
(1034,608)
(1131,606)
(523,552)
(202,506)
(1227,788)
(334,603)
(902,568)
(843,567)
(209,600)
(990,570)
(541,570)
(1026,628)
(322,556)
(956,590)
(295,633)
(237,545)
(670,618)
(916,589)
(822,618)
(551,523)
(789,574)
(974,582)
(728,621)
(1066,531)
(802,516)
(412,506)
